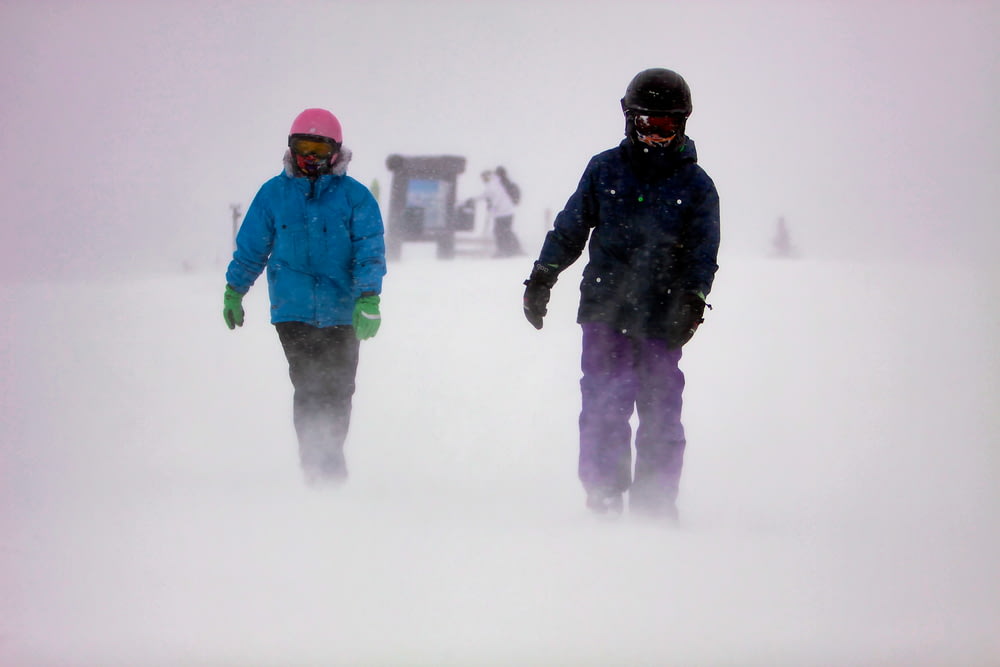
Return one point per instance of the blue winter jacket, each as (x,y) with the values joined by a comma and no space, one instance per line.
(321,241)
(653,226)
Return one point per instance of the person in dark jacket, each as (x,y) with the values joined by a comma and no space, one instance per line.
(650,216)
(319,233)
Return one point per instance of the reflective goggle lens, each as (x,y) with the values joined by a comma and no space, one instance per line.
(306,147)
(661,126)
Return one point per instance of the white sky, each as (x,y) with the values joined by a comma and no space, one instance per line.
(128,128)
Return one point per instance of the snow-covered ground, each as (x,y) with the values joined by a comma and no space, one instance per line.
(839,503)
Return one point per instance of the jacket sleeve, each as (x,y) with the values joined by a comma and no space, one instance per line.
(367,243)
(701,242)
(568,237)
(253,244)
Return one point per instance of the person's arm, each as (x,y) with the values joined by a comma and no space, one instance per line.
(567,239)
(367,245)
(563,245)
(701,243)
(367,264)
(253,244)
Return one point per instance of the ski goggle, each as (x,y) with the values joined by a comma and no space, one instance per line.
(665,127)
(313,147)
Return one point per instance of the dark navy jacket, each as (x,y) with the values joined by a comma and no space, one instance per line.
(653,226)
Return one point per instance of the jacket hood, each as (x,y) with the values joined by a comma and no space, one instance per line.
(338,168)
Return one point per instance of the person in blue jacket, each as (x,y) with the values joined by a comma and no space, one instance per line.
(319,234)
(650,216)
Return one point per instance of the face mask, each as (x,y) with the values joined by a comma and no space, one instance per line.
(310,165)
(313,155)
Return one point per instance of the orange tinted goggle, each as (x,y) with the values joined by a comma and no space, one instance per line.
(661,126)
(312,147)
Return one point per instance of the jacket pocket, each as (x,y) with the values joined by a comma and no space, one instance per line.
(291,244)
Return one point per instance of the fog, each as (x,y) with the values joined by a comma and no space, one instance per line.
(129,128)
(839,504)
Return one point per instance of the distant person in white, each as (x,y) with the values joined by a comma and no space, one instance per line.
(500,194)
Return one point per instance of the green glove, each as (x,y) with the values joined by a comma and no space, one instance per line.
(232,308)
(366,317)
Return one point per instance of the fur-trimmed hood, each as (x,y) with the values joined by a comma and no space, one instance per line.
(338,168)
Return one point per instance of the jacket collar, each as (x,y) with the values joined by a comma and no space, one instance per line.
(651,163)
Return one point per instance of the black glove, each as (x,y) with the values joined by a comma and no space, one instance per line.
(536,294)
(684,316)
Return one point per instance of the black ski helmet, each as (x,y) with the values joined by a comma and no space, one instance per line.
(658,91)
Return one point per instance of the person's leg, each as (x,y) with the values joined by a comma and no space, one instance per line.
(608,389)
(322,364)
(660,441)
(504,237)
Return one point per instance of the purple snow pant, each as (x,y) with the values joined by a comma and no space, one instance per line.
(621,373)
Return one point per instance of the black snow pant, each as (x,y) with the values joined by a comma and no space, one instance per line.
(507,244)
(322,364)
